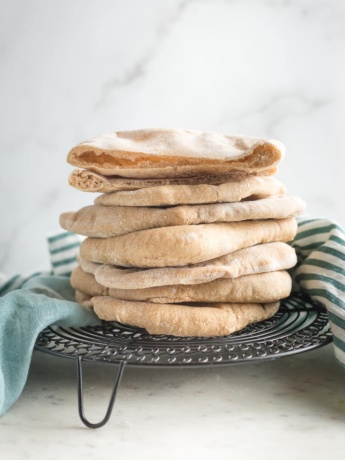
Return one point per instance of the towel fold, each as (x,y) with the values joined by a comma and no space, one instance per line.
(29,304)
(320,272)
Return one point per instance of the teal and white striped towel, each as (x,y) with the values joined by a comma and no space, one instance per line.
(320,272)
(63,249)
(30,303)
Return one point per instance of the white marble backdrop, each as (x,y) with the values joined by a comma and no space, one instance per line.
(73,69)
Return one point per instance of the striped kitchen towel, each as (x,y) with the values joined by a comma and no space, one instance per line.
(28,304)
(320,272)
(63,249)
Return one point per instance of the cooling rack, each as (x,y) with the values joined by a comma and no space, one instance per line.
(300,325)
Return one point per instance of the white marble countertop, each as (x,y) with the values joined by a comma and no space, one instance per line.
(292,407)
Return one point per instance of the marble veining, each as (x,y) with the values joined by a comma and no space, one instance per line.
(138,69)
(276,111)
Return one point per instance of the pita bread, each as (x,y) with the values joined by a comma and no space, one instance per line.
(183,320)
(83,299)
(86,284)
(251,187)
(90,267)
(89,181)
(107,221)
(185,244)
(256,259)
(262,287)
(164,153)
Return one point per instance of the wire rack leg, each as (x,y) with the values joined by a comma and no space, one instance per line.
(112,398)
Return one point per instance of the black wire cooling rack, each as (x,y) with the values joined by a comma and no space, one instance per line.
(300,325)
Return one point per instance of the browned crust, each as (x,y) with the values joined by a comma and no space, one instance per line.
(157,153)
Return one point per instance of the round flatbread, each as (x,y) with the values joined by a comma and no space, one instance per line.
(164,153)
(83,299)
(185,244)
(104,222)
(90,181)
(250,187)
(255,259)
(263,287)
(203,320)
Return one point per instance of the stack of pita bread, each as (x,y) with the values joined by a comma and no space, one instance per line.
(188,236)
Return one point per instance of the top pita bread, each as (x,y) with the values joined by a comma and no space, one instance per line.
(164,153)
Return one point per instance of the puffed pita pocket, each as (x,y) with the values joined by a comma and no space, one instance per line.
(250,187)
(164,153)
(89,181)
(262,287)
(204,320)
(184,244)
(255,259)
(107,221)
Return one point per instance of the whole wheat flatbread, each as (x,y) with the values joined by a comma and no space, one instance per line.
(89,181)
(183,320)
(251,187)
(86,284)
(185,244)
(91,267)
(262,287)
(107,221)
(164,153)
(255,259)
(83,299)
